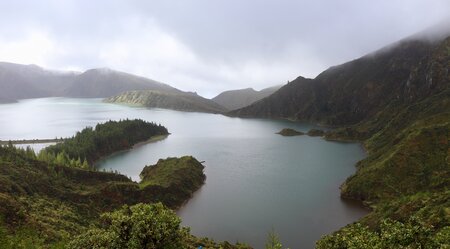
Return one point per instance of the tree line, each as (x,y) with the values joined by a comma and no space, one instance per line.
(91,144)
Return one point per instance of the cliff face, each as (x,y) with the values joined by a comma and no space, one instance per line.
(175,101)
(407,72)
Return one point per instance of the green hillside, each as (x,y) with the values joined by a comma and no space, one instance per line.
(397,102)
(190,102)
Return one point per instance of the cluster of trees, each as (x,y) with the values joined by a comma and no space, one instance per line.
(91,144)
(87,146)
(144,226)
(11,153)
(49,157)
(391,235)
(62,158)
(135,227)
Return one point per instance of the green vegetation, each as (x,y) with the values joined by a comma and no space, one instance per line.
(316,133)
(143,226)
(290,132)
(31,141)
(62,158)
(181,101)
(92,144)
(273,241)
(391,235)
(135,227)
(236,99)
(176,178)
(173,171)
(407,171)
(407,174)
(44,205)
(50,200)
(395,101)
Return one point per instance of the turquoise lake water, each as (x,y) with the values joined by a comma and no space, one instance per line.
(256,180)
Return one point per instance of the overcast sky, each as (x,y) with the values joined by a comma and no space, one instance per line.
(207,46)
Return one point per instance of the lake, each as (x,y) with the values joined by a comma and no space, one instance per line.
(256,180)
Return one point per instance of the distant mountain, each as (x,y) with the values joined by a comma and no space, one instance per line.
(31,81)
(176,101)
(235,99)
(104,82)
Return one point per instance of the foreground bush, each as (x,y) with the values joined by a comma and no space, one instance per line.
(391,235)
(135,227)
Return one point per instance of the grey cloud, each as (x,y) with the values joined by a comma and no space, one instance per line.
(229,44)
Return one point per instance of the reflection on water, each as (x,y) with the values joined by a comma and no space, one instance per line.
(256,180)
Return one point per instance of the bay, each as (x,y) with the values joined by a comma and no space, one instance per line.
(257,181)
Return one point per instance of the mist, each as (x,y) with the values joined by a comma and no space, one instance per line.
(208,46)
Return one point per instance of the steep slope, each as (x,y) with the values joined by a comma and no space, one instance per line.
(347,94)
(397,102)
(56,201)
(175,101)
(235,99)
(104,82)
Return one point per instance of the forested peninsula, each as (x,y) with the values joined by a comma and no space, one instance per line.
(92,144)
(54,204)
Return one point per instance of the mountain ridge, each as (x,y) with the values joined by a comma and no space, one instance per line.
(396,101)
(235,99)
(312,100)
(184,101)
(31,81)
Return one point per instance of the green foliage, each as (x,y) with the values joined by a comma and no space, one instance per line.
(135,227)
(172,180)
(23,238)
(173,171)
(442,238)
(407,171)
(62,158)
(92,144)
(55,202)
(144,226)
(290,132)
(273,241)
(416,162)
(193,242)
(391,235)
(175,101)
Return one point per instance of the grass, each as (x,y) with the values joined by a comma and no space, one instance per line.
(172,171)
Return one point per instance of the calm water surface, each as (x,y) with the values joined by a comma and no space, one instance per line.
(256,180)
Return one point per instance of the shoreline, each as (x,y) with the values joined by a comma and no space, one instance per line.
(32,141)
(363,204)
(153,139)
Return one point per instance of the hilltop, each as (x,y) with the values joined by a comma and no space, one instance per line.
(235,99)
